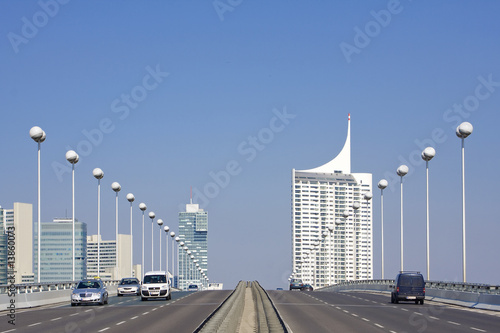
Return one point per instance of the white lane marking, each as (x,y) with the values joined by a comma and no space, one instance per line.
(345,311)
(74,314)
(135,317)
(404,309)
(88,310)
(154,309)
(477,329)
(365,319)
(35,324)
(145,313)
(393,331)
(56,319)
(418,313)
(12,330)
(378,325)
(121,322)
(338,308)
(452,322)
(104,329)
(435,318)
(355,315)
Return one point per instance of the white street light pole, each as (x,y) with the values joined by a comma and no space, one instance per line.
(152,217)
(98,174)
(382,184)
(143,207)
(39,136)
(463,131)
(72,157)
(177,239)
(160,223)
(172,234)
(167,229)
(116,187)
(402,171)
(131,198)
(345,214)
(368,196)
(355,207)
(427,155)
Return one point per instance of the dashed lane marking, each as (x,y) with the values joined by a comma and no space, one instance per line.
(365,319)
(58,318)
(135,317)
(121,322)
(35,324)
(453,323)
(104,329)
(477,329)
(378,325)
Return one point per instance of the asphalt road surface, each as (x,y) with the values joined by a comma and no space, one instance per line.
(184,313)
(365,312)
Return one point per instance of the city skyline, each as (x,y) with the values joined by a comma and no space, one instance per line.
(178,97)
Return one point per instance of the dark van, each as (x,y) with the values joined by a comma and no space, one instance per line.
(408,286)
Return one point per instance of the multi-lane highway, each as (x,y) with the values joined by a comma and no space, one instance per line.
(365,312)
(123,314)
(301,311)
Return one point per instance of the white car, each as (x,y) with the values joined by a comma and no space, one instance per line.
(155,284)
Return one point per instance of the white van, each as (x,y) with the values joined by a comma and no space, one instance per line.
(155,285)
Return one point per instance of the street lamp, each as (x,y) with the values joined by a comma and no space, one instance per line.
(160,223)
(402,171)
(177,239)
(345,215)
(382,184)
(463,131)
(38,135)
(116,187)
(368,196)
(72,157)
(172,234)
(98,174)
(355,207)
(427,155)
(143,207)
(131,198)
(152,217)
(167,229)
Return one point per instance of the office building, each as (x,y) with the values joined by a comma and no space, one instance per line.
(113,265)
(56,260)
(16,229)
(193,231)
(321,197)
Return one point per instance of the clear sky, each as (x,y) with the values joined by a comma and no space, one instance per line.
(229,96)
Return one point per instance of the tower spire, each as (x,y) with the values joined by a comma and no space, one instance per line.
(191,195)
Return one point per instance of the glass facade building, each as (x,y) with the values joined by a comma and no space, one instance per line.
(57,250)
(193,231)
(6,219)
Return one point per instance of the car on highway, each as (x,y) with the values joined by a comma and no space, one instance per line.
(89,291)
(408,286)
(296,284)
(307,287)
(193,287)
(155,284)
(129,286)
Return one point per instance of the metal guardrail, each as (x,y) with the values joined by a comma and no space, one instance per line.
(28,288)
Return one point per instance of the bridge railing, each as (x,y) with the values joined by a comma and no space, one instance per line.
(28,288)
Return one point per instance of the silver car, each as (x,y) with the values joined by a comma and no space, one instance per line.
(89,291)
(129,286)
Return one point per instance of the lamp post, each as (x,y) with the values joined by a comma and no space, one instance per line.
(116,187)
(427,155)
(463,131)
(345,215)
(402,171)
(324,234)
(177,239)
(98,174)
(160,223)
(368,196)
(355,207)
(38,135)
(152,217)
(172,234)
(166,229)
(131,198)
(143,207)
(382,184)
(72,157)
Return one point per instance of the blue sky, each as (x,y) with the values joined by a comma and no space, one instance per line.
(164,95)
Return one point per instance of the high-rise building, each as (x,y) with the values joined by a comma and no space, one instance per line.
(16,231)
(113,265)
(332,222)
(193,231)
(56,248)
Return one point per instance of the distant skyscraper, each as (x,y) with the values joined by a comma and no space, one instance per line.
(319,198)
(111,266)
(57,250)
(193,230)
(19,220)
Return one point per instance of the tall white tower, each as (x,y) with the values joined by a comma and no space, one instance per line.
(332,222)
